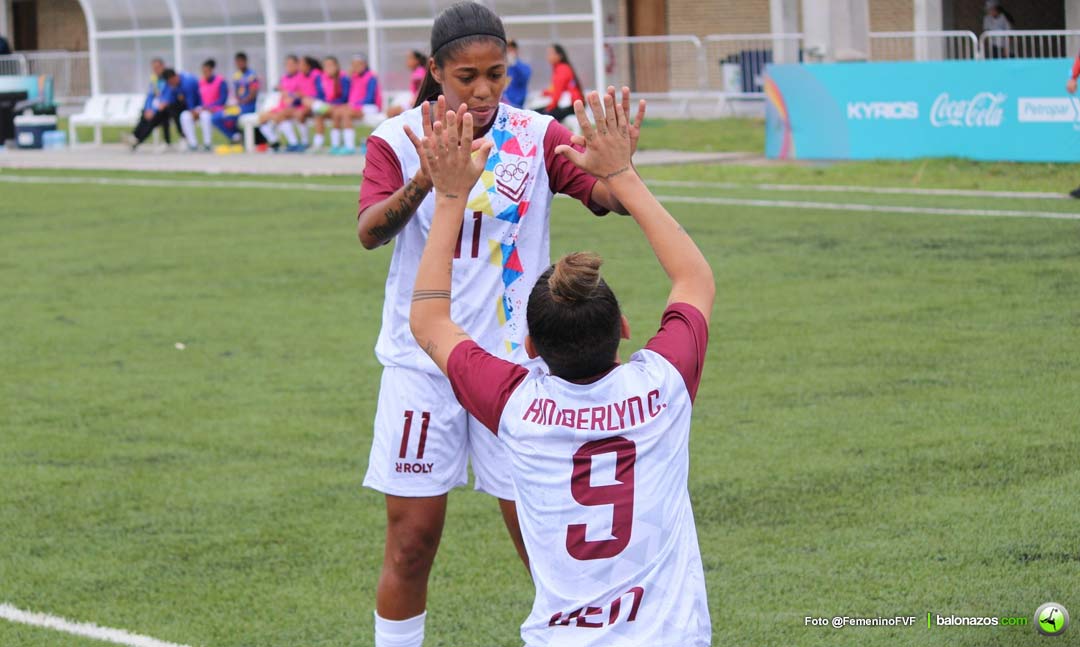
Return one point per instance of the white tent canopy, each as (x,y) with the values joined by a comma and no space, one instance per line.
(125,34)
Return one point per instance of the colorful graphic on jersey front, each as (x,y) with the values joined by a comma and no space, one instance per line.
(508,181)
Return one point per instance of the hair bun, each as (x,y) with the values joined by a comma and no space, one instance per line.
(575,277)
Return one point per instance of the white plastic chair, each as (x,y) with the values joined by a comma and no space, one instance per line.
(93,114)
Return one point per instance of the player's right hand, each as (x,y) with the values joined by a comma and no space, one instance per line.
(607,144)
(1071,86)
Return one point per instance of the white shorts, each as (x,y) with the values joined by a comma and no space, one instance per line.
(423,440)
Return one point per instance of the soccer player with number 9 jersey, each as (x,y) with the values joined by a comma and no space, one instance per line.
(423,438)
(599,450)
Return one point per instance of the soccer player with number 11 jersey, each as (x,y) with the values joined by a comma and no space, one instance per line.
(598,449)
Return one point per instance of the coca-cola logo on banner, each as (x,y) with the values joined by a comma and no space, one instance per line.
(984,110)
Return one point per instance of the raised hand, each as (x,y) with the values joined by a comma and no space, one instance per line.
(426,122)
(635,125)
(608,148)
(448,153)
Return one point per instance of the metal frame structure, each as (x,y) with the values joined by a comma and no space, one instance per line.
(1033,43)
(272,27)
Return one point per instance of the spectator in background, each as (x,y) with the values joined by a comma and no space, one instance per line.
(310,76)
(245,90)
(997,19)
(213,95)
(365,100)
(332,90)
(182,91)
(565,87)
(416,61)
(166,104)
(519,73)
(288,86)
(5,47)
(155,108)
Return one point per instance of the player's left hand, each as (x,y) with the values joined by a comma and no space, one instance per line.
(1070,87)
(450,158)
(635,124)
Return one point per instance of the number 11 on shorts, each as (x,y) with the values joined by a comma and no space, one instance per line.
(425,419)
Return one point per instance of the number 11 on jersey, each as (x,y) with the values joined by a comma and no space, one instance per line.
(477,225)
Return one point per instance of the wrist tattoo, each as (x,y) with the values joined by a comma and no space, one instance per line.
(619,172)
(424,295)
(452,196)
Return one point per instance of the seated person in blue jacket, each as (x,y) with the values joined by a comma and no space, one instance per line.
(245,90)
(153,105)
(174,100)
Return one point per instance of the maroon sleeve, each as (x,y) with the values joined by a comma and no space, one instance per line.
(563,176)
(482,382)
(382,173)
(681,340)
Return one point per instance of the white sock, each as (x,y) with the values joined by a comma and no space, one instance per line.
(302,127)
(288,131)
(350,139)
(335,138)
(205,120)
(400,633)
(317,141)
(187,124)
(269,132)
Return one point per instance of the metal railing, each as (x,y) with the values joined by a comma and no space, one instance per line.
(70,71)
(13,65)
(1041,43)
(735,63)
(923,46)
(656,65)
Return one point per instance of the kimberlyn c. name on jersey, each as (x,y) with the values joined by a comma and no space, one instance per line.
(614,416)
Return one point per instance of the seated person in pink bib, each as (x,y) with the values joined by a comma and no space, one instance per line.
(289,87)
(214,93)
(331,92)
(364,102)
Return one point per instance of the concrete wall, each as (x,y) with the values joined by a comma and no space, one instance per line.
(701,17)
(61,25)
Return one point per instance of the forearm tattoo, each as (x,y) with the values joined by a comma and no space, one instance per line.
(424,295)
(397,216)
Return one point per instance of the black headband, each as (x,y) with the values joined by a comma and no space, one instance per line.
(443,44)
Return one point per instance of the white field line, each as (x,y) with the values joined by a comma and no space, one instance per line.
(737,202)
(164,184)
(871,208)
(88,630)
(833,188)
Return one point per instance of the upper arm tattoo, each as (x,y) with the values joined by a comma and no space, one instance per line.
(397,215)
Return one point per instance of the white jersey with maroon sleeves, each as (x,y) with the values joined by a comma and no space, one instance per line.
(503,245)
(600,472)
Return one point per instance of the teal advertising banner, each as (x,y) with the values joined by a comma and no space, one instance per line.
(1014,110)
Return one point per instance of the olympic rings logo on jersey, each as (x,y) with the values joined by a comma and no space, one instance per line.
(511,178)
(510,172)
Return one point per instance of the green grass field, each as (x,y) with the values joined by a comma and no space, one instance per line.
(888,423)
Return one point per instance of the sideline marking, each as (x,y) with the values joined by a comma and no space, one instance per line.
(837,188)
(86,629)
(735,202)
(871,208)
